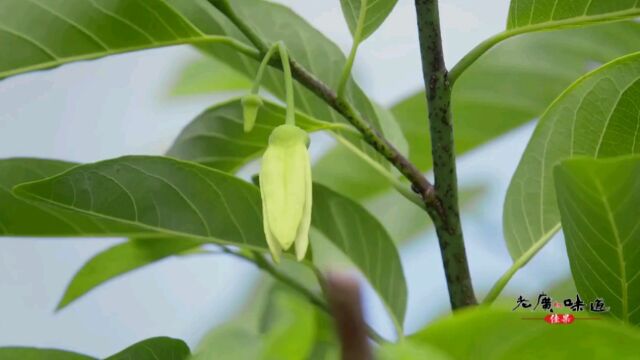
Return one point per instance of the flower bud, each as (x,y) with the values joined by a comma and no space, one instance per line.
(285,184)
(251,103)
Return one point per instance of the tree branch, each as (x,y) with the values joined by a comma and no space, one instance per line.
(344,297)
(438,91)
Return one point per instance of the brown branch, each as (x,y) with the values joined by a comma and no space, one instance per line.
(343,294)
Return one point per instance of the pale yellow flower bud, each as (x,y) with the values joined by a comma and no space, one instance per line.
(251,103)
(285,184)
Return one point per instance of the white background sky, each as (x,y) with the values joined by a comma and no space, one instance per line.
(101,109)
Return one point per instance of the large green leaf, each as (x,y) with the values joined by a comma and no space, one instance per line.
(597,116)
(45,33)
(376,13)
(158,348)
(358,234)
(31,353)
(208,75)
(525,74)
(342,168)
(343,171)
(121,259)
(530,15)
(599,203)
(17,216)
(159,194)
(216,137)
(404,220)
(485,333)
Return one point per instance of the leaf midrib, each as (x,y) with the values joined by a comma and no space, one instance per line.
(57,60)
(619,250)
(572,21)
(137,224)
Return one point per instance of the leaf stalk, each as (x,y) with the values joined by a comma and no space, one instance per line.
(357,39)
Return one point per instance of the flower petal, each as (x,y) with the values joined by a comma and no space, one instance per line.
(302,238)
(274,247)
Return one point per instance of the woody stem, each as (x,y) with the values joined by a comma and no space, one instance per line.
(438,92)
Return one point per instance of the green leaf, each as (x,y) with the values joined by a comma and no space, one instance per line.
(523,84)
(229,342)
(172,197)
(208,75)
(17,216)
(391,130)
(597,117)
(404,220)
(121,259)
(291,333)
(345,172)
(275,324)
(376,13)
(532,15)
(485,333)
(364,240)
(43,34)
(159,194)
(342,168)
(327,345)
(30,353)
(216,137)
(408,350)
(158,348)
(599,202)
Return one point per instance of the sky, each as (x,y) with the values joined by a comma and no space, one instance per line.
(121,105)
